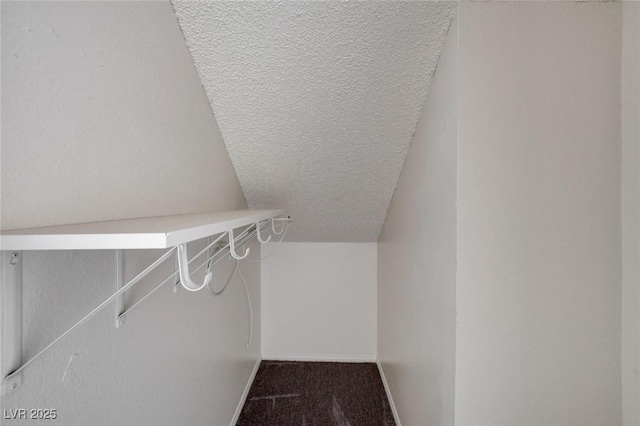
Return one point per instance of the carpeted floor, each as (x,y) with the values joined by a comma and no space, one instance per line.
(318,394)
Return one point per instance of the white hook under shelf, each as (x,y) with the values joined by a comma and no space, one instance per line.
(232,248)
(259,236)
(185,276)
(273,228)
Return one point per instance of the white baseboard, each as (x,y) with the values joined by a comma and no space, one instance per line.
(245,394)
(388,392)
(318,358)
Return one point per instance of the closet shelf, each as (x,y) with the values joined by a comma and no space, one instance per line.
(144,233)
(166,232)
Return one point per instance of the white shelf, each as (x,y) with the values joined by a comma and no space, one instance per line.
(145,233)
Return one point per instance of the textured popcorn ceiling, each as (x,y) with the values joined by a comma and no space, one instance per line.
(317,101)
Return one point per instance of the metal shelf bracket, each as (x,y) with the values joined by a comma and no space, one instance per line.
(11,265)
(119,283)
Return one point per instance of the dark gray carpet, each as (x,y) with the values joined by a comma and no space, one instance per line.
(318,394)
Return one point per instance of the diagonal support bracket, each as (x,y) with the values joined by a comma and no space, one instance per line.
(11,287)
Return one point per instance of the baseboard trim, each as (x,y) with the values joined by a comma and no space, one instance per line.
(245,394)
(318,358)
(388,392)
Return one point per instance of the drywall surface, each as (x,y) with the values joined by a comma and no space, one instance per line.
(104,118)
(317,101)
(539,262)
(417,262)
(319,301)
(631,213)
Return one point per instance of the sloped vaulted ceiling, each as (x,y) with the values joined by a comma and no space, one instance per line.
(317,101)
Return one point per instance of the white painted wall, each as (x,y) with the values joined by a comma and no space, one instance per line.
(319,301)
(631,213)
(539,244)
(417,262)
(103,118)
